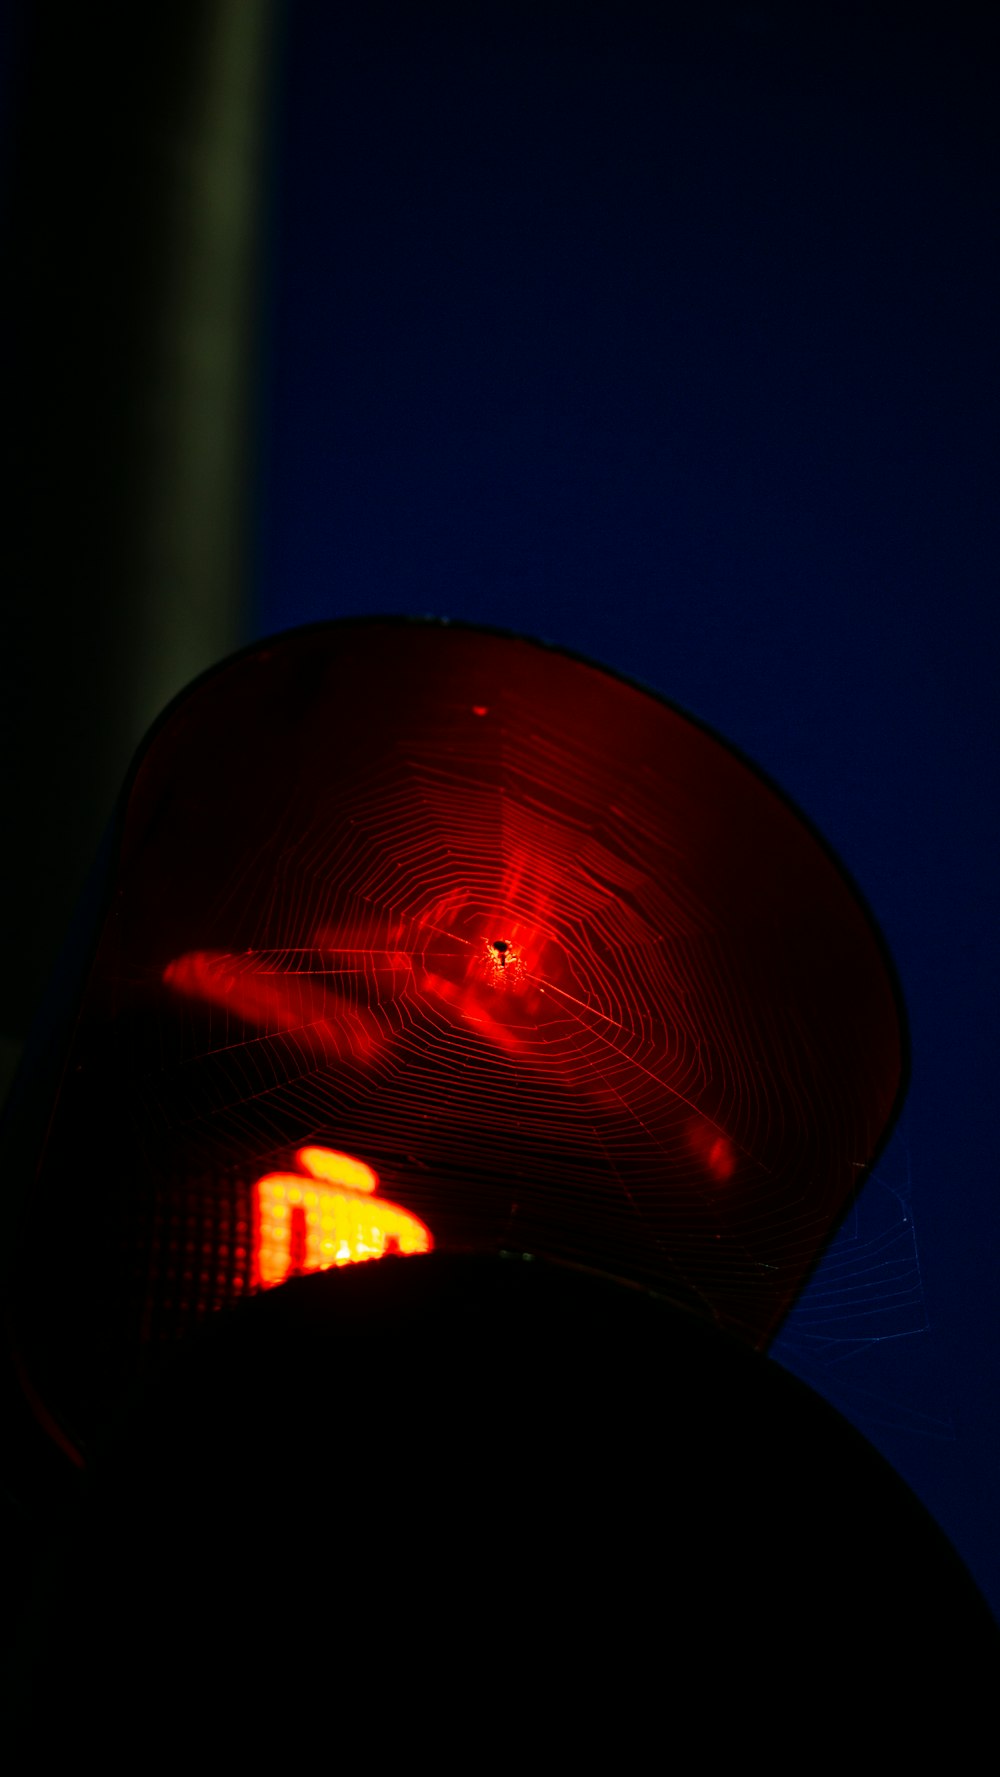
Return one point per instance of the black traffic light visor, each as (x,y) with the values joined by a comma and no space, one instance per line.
(420,937)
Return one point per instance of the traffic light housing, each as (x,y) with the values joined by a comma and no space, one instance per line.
(480,1033)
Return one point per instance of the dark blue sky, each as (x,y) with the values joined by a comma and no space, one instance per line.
(669,334)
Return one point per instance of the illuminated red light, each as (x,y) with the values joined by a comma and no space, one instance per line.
(713,1149)
(574,958)
(327,1217)
(721,1159)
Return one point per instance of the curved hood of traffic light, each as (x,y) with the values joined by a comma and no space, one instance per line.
(420,936)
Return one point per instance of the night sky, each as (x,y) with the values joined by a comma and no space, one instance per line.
(669,334)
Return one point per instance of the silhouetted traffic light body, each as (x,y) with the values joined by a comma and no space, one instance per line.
(367,1255)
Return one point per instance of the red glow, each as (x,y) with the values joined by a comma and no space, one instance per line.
(713,1149)
(674,1072)
(261,991)
(326,1218)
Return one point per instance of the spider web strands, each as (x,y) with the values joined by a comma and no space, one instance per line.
(867,1291)
(670,1071)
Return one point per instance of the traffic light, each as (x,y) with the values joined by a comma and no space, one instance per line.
(469,1057)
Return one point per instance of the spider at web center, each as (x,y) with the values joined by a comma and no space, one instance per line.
(505,962)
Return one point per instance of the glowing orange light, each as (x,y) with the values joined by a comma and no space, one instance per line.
(338,1169)
(327,1217)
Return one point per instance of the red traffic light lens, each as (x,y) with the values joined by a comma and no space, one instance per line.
(509,933)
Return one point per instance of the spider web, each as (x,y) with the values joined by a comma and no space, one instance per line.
(866,1292)
(567,974)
